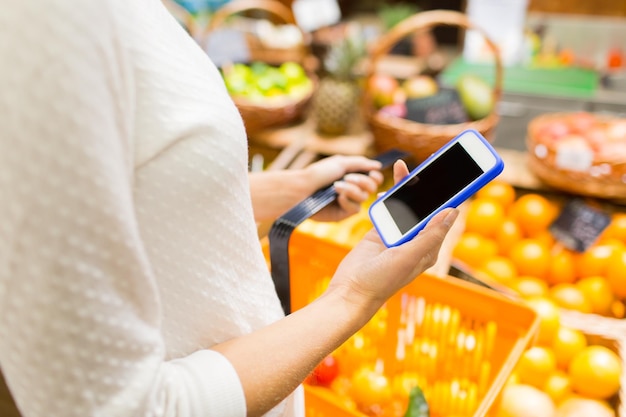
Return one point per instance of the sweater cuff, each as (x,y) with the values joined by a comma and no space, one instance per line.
(215,387)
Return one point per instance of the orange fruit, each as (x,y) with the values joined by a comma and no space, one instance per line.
(577,406)
(529,286)
(545,237)
(500,191)
(569,296)
(598,292)
(595,259)
(567,343)
(616,273)
(484,216)
(507,234)
(370,388)
(595,372)
(499,268)
(474,248)
(535,366)
(533,212)
(522,400)
(558,386)
(531,257)
(562,267)
(549,319)
(616,228)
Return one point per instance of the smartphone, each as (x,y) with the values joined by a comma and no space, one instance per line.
(445,179)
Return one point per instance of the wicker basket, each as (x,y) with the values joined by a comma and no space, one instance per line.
(259,116)
(603,178)
(422,139)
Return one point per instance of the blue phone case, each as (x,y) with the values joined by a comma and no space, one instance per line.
(455,201)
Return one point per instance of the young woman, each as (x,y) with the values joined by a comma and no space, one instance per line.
(132,281)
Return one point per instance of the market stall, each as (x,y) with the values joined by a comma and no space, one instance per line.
(548,235)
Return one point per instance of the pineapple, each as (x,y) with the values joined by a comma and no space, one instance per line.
(337,96)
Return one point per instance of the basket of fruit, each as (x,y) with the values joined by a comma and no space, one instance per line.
(581,153)
(416,114)
(275,85)
(429,347)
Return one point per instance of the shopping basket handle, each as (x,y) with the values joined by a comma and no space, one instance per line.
(282,228)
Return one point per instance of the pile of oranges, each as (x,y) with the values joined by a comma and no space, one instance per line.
(564,365)
(507,240)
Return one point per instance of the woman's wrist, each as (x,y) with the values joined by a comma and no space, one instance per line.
(304,182)
(358,306)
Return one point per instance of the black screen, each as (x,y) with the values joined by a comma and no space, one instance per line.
(432,187)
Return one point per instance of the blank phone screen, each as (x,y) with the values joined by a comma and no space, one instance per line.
(433,186)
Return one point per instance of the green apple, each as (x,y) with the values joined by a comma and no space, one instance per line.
(239,70)
(292,70)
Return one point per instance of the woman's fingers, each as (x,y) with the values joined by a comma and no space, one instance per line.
(400,170)
(427,243)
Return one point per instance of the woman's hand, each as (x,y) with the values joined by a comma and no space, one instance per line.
(275,192)
(371,272)
(365,279)
(355,178)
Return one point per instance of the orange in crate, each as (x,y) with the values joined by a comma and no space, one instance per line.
(462,341)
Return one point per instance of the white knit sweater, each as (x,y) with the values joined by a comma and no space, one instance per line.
(127,239)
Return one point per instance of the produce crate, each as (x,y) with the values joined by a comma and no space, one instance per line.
(460,338)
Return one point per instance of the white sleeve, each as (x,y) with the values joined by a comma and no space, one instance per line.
(79,308)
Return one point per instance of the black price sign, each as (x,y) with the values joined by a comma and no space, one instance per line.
(445,107)
(579,225)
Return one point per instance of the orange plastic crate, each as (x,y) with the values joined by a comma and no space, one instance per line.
(457,336)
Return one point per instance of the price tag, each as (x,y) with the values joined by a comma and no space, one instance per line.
(579,225)
(226,46)
(442,108)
